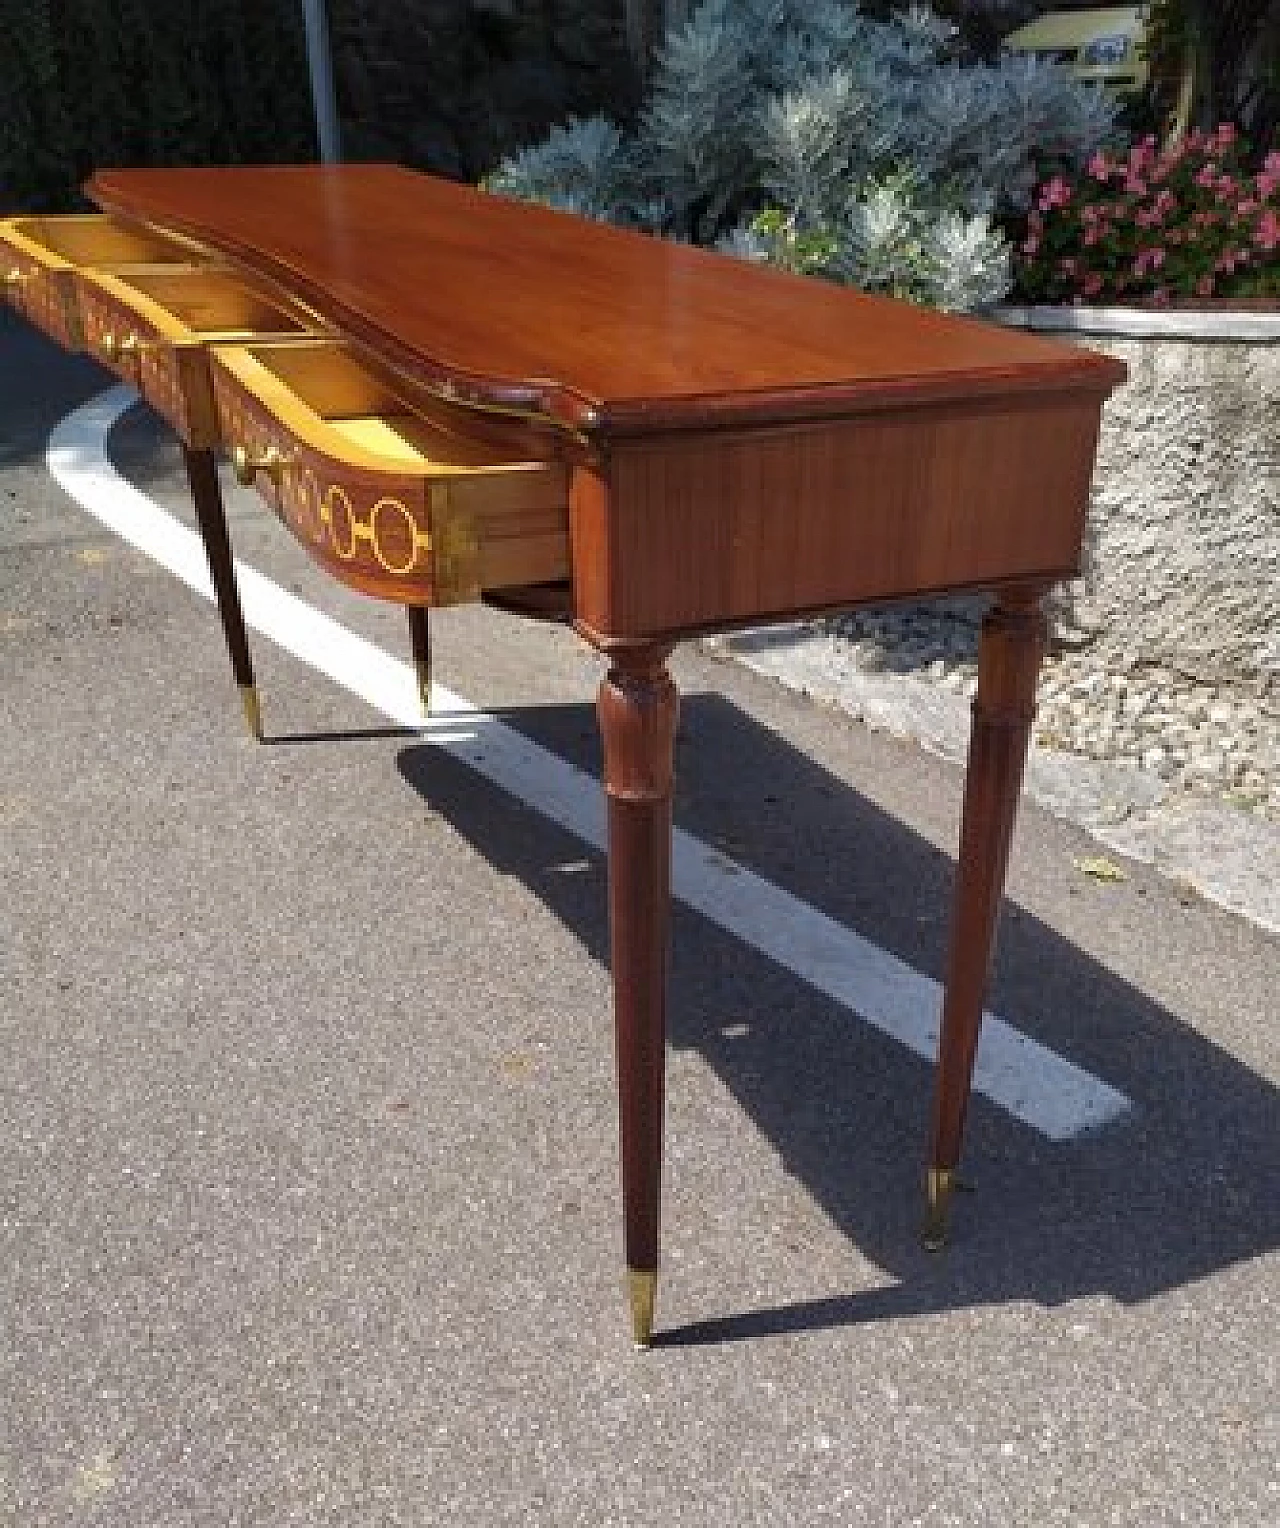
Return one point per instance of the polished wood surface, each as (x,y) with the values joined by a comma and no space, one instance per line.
(693,532)
(718,443)
(1009,653)
(605,330)
(637,708)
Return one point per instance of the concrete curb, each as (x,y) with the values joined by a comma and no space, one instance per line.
(1147,323)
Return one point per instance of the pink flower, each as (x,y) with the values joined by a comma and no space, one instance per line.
(1226,135)
(1267,234)
(1271,164)
(1160,297)
(1134,185)
(1100,167)
(1207,179)
(1143,153)
(1092,284)
(1148,260)
(1031,245)
(1056,193)
(1230,258)
(1204,287)
(1246,208)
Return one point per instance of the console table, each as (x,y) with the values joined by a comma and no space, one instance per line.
(448,396)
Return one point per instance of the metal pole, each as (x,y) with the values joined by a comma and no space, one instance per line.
(320,62)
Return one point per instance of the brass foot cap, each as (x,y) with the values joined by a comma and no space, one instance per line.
(643,1289)
(252,710)
(939,1184)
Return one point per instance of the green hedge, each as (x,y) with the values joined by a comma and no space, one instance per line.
(91,83)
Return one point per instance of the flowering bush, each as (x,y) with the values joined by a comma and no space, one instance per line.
(1187,221)
(806,133)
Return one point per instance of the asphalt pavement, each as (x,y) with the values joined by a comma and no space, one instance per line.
(310,1162)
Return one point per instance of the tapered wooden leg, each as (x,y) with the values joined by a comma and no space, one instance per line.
(637,708)
(1009,656)
(420,638)
(202,477)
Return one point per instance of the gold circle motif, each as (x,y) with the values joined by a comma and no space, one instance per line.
(336,495)
(375,537)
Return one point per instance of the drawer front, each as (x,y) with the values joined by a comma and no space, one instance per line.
(370,530)
(40,255)
(45,297)
(133,348)
(423,537)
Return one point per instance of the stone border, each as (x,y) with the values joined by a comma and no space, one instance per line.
(1253,327)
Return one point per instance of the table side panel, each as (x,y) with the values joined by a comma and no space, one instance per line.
(689,534)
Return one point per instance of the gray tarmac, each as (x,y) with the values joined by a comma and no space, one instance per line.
(309,1159)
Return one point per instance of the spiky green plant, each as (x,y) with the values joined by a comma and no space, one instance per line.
(875,156)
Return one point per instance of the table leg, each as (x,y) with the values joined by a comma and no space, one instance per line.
(637,709)
(420,638)
(202,477)
(1009,654)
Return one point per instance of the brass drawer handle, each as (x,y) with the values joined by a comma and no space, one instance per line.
(119,347)
(246,463)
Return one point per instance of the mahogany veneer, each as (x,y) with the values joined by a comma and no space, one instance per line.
(735,444)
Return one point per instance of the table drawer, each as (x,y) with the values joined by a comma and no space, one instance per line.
(395,501)
(152,328)
(39,257)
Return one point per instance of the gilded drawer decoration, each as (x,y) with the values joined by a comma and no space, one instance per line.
(393,502)
(39,258)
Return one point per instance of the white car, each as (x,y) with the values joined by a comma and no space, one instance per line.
(1102,44)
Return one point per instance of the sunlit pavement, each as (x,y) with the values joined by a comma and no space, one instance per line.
(312,1206)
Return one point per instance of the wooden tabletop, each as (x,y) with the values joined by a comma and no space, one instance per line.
(610,332)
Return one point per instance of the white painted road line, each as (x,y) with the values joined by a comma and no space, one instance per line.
(1023,1077)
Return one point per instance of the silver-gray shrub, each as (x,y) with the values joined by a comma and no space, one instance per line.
(803,132)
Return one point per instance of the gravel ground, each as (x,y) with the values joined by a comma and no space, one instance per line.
(1097,700)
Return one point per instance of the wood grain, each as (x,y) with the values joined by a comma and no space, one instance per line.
(1009,654)
(608,331)
(699,532)
(637,708)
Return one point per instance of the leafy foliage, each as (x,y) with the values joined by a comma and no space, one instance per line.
(87,83)
(1187,221)
(874,155)
(584,168)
